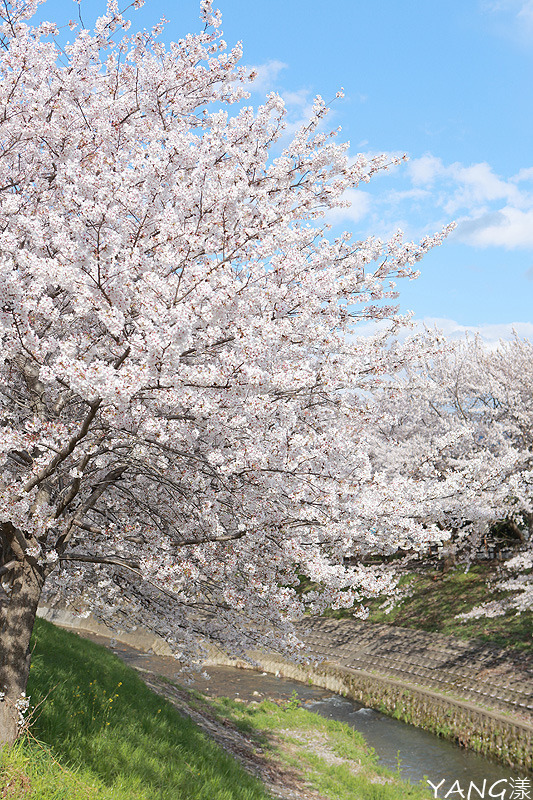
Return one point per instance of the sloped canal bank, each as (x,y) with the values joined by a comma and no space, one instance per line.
(416,754)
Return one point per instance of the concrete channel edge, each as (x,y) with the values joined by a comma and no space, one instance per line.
(485,731)
(499,736)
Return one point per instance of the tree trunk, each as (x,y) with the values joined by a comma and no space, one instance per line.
(16,621)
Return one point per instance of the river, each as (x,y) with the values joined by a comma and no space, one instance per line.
(417,754)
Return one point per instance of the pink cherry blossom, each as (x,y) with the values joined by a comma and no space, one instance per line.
(185,415)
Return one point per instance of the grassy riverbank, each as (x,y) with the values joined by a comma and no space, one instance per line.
(99,732)
(332,757)
(434,598)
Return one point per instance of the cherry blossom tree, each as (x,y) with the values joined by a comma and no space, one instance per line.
(183,406)
(456,428)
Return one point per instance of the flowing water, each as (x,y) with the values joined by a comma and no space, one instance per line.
(417,754)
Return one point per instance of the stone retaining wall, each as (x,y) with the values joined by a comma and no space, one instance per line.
(508,740)
(469,670)
(487,731)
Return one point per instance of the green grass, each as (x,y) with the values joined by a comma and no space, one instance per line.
(29,772)
(101,733)
(435,598)
(333,757)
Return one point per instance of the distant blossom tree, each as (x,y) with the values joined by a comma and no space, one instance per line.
(182,405)
(456,430)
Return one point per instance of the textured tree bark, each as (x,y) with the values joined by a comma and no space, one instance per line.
(16,620)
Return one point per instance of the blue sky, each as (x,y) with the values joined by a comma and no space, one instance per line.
(448,83)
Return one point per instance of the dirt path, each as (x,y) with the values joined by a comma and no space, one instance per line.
(280,781)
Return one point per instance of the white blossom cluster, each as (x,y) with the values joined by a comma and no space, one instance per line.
(456,431)
(22,706)
(185,411)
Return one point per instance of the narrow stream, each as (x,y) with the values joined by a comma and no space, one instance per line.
(417,754)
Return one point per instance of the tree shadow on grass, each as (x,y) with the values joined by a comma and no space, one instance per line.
(97,715)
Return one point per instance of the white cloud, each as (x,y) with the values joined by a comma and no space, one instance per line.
(511,18)
(408,194)
(515,6)
(509,227)
(525,174)
(491,334)
(478,184)
(359,207)
(299,107)
(299,99)
(473,185)
(266,76)
(526,12)
(491,210)
(424,170)
(298,104)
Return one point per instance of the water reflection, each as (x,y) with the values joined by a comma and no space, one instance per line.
(419,754)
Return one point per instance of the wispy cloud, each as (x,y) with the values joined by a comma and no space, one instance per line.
(523,175)
(299,107)
(526,11)
(511,18)
(421,197)
(298,103)
(466,186)
(490,210)
(491,334)
(358,209)
(510,228)
(266,76)
(521,9)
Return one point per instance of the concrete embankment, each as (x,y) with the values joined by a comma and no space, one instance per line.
(485,731)
(476,695)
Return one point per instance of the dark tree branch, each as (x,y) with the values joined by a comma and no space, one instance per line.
(67,450)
